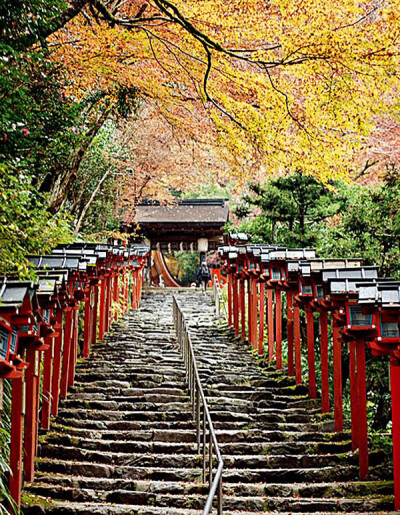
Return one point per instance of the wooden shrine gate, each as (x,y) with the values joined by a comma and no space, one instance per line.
(39,322)
(192,225)
(352,303)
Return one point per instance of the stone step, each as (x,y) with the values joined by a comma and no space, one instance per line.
(76,508)
(119,509)
(236,503)
(354,489)
(159,398)
(110,390)
(125,404)
(138,379)
(223,420)
(185,435)
(179,447)
(193,460)
(145,468)
(125,425)
(125,442)
(134,415)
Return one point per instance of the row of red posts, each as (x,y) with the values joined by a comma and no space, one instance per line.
(353,306)
(39,333)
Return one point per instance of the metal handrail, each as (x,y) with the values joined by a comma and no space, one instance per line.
(198,398)
(218,300)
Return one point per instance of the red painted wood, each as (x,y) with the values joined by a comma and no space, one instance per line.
(235,305)
(107,315)
(290,333)
(140,285)
(255,313)
(270,323)
(116,298)
(103,309)
(87,325)
(239,304)
(47,384)
(312,387)
(262,320)
(66,353)
(37,378)
(31,413)
(353,396)
(135,287)
(110,318)
(55,388)
(395,393)
(278,328)
(362,409)
(297,342)
(17,419)
(230,310)
(74,347)
(123,292)
(337,377)
(323,328)
(243,307)
(127,306)
(95,314)
(249,312)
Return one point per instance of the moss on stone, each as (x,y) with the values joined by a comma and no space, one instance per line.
(74,440)
(29,499)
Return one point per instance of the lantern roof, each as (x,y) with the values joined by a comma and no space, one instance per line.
(351,273)
(60,261)
(385,292)
(13,293)
(238,236)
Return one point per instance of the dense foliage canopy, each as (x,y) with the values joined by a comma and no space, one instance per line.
(105,102)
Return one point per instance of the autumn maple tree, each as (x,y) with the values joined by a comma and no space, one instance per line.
(105,102)
(287,85)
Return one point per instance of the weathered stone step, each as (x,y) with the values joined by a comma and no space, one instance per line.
(243,475)
(88,375)
(114,415)
(350,490)
(76,508)
(295,505)
(156,434)
(249,461)
(133,472)
(186,501)
(287,391)
(238,448)
(159,398)
(158,390)
(126,425)
(138,379)
(114,509)
(185,435)
(258,409)
(125,404)
(228,423)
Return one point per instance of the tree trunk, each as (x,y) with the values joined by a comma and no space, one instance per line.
(74,7)
(89,203)
(58,197)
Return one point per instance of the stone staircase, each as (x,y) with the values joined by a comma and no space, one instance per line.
(124,441)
